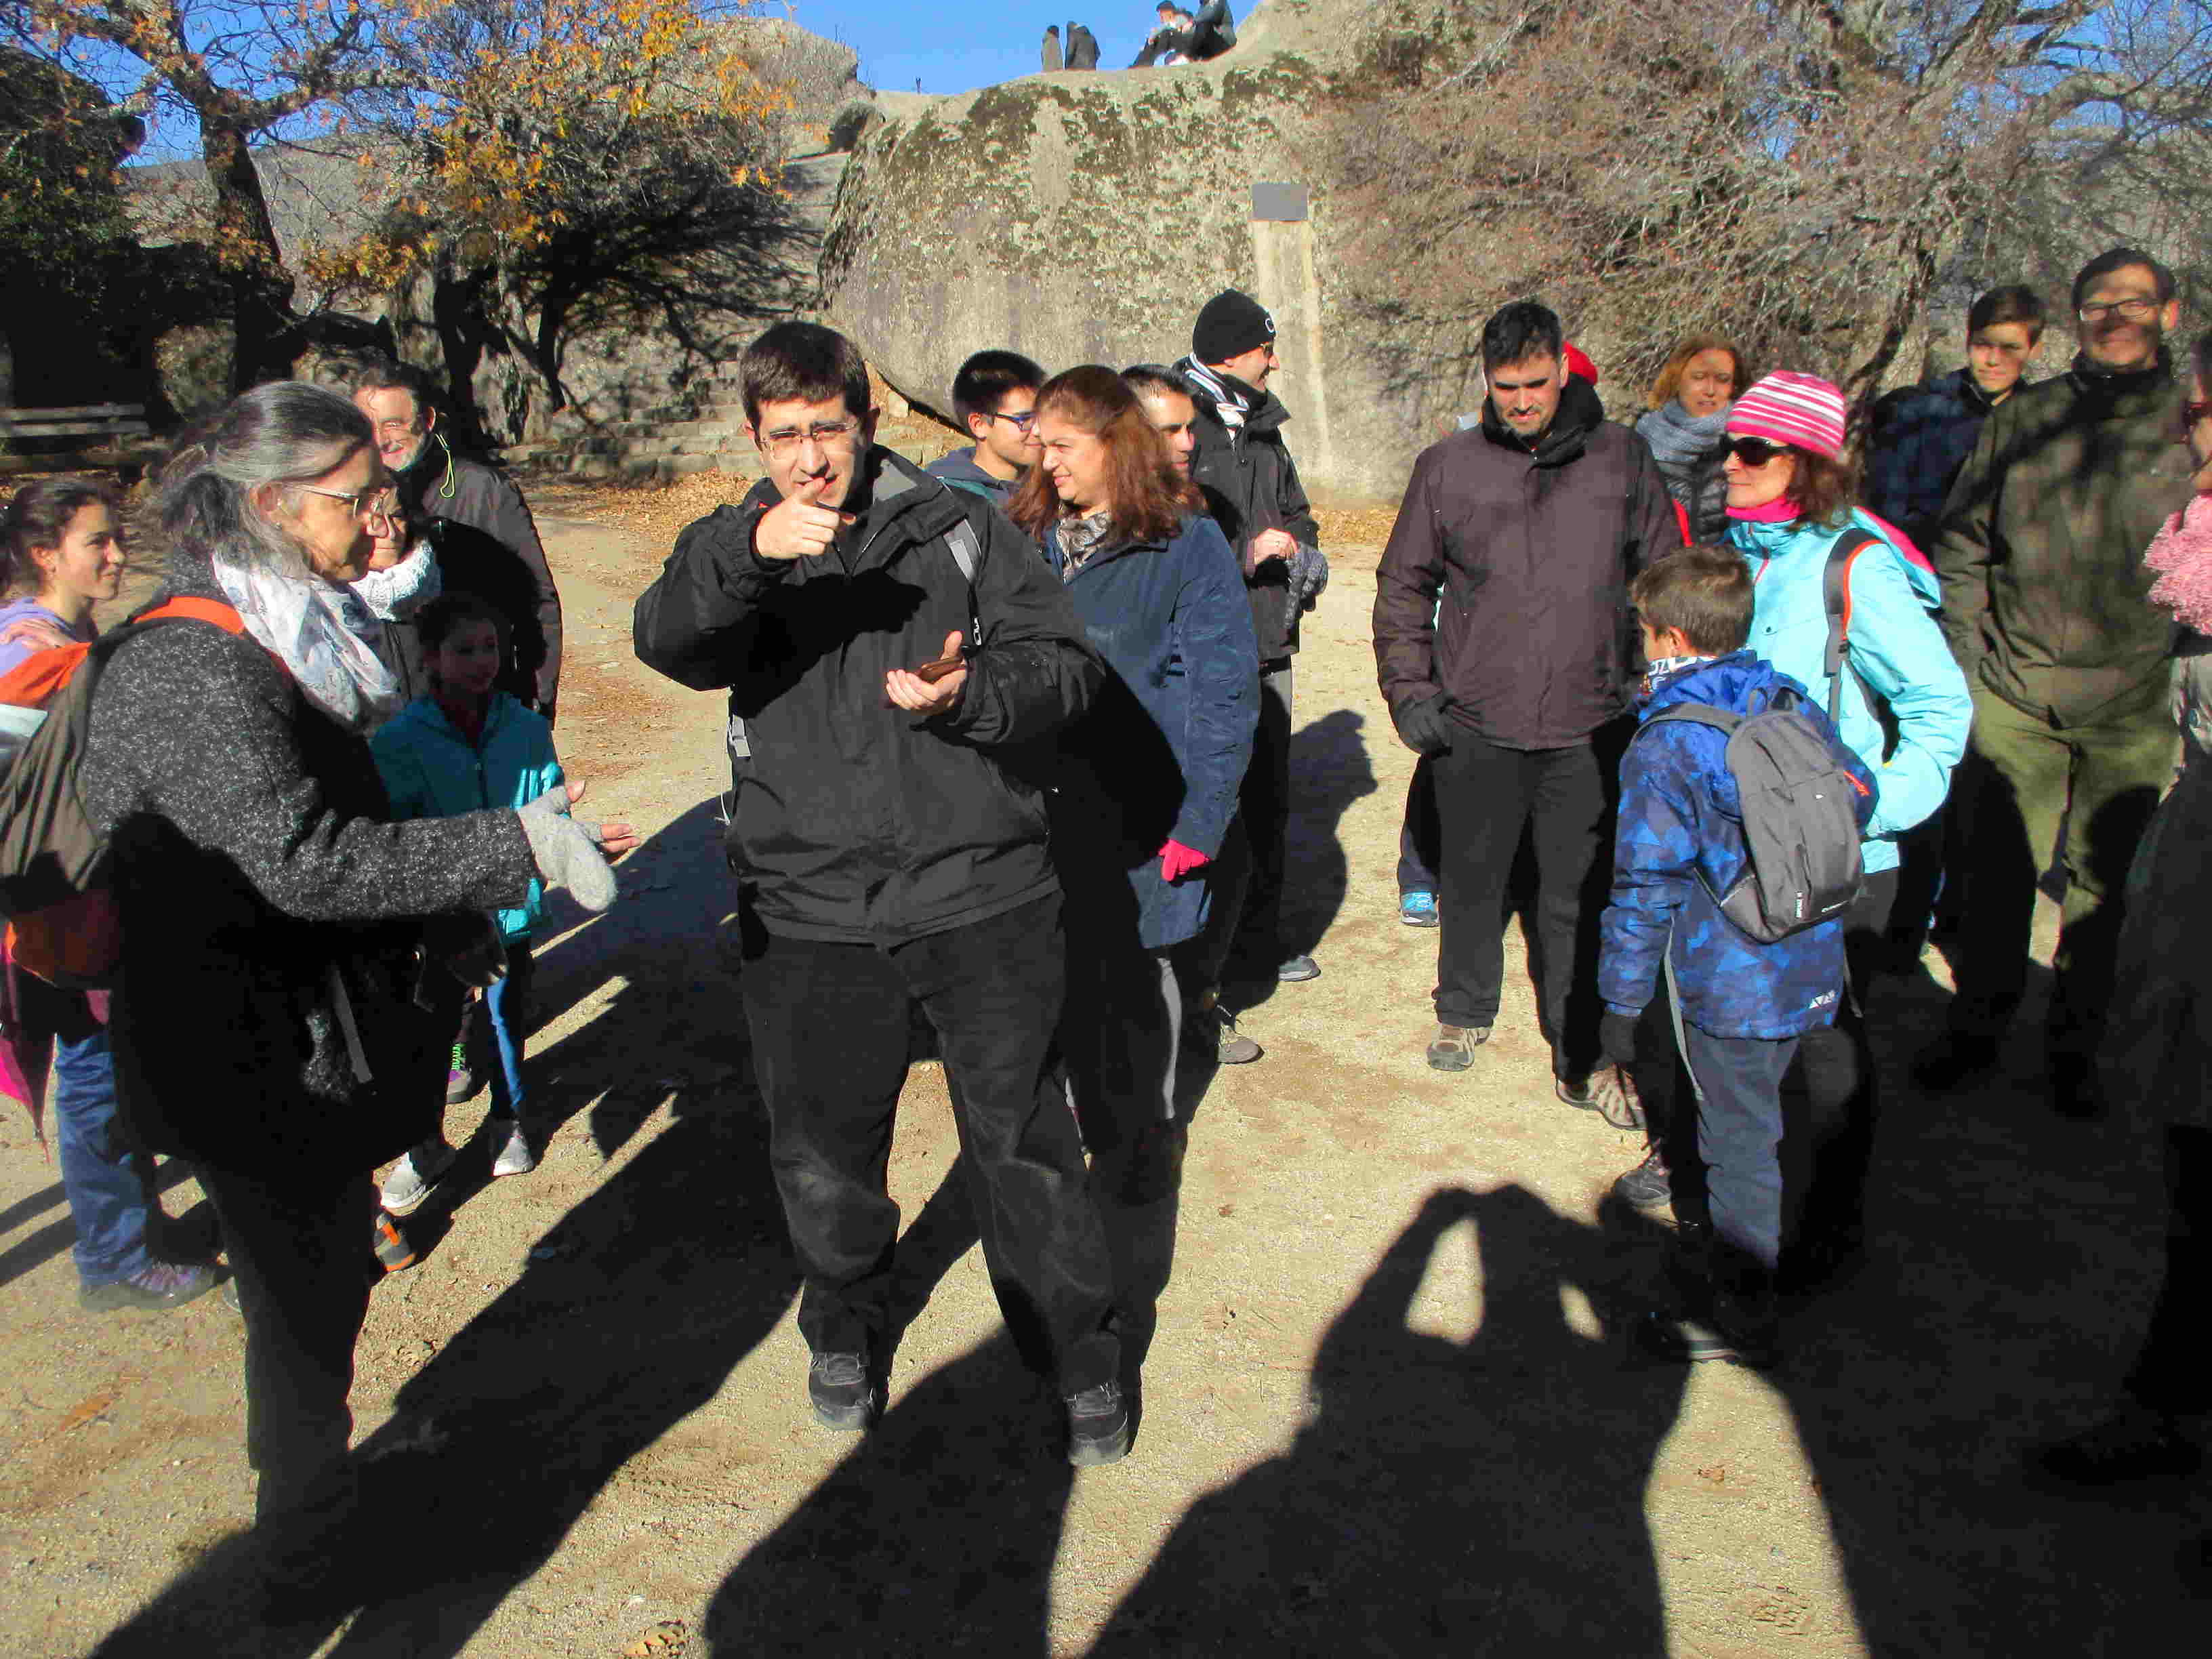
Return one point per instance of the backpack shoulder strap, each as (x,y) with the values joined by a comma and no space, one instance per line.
(966,487)
(1836,600)
(220,613)
(1698,714)
(967,550)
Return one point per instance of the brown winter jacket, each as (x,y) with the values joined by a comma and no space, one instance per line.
(1532,553)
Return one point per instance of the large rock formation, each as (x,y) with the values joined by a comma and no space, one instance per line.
(1085,217)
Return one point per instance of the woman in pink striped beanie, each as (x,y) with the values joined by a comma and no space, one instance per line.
(1790,505)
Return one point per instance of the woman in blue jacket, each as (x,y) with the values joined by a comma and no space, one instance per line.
(468,747)
(1148,780)
(1904,709)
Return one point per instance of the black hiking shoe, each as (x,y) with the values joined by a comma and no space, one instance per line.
(1648,1186)
(1097,1426)
(841,1392)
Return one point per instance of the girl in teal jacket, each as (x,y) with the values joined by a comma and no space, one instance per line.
(464,748)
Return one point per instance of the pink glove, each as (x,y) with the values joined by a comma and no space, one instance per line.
(1177,860)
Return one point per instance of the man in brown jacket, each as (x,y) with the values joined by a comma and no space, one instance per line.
(1528,528)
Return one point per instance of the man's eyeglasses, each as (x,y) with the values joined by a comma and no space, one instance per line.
(2135,311)
(368,504)
(830,434)
(398,428)
(1754,451)
(1020,423)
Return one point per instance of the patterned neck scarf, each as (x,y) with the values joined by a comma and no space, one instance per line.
(1078,539)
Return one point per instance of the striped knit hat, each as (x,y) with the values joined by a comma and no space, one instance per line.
(1801,410)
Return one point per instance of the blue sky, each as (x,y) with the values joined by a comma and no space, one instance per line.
(956,47)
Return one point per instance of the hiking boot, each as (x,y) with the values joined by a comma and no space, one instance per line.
(1231,1046)
(461,1080)
(513,1156)
(162,1284)
(1296,970)
(1648,1186)
(841,1392)
(2133,1445)
(1452,1048)
(410,1182)
(1418,908)
(1953,1060)
(1605,1092)
(394,1253)
(1097,1426)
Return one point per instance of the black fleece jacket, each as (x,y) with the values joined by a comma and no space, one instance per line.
(856,820)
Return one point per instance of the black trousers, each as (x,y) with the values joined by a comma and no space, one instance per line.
(299,1245)
(1486,796)
(829,1038)
(2170,1374)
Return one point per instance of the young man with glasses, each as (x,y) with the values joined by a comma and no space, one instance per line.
(891,646)
(1528,528)
(2041,554)
(994,398)
(477,522)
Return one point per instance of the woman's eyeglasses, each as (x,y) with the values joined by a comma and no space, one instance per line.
(365,504)
(1754,451)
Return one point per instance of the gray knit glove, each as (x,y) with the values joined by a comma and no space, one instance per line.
(568,850)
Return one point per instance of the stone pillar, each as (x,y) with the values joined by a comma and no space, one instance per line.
(1285,282)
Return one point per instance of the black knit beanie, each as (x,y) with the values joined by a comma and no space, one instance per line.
(1230,324)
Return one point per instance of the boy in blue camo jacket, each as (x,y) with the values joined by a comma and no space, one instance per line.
(1743,1004)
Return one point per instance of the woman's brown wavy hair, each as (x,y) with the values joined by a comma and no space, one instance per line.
(1670,381)
(1149,497)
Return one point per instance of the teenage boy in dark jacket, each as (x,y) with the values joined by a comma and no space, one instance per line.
(891,861)
(477,521)
(2046,607)
(1251,483)
(1530,528)
(1741,1005)
(995,396)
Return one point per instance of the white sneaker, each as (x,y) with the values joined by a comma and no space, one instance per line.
(412,1177)
(515,1157)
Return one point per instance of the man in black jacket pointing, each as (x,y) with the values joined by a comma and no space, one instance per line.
(892,859)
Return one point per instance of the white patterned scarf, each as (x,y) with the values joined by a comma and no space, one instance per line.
(325,635)
(1230,404)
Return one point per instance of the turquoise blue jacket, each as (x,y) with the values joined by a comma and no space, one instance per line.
(1897,648)
(431,771)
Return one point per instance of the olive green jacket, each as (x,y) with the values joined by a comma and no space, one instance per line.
(2040,546)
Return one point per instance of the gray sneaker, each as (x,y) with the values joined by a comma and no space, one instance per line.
(841,1393)
(410,1182)
(163,1286)
(514,1156)
(1452,1048)
(1231,1046)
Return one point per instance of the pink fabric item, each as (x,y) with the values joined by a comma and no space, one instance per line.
(1904,543)
(1780,510)
(1803,411)
(2181,553)
(1177,860)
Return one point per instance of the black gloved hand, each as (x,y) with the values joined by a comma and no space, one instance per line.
(1616,1035)
(1424,727)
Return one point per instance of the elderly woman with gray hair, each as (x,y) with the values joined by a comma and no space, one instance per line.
(293,962)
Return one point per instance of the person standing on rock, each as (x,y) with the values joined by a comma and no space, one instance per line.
(477,523)
(2045,606)
(1262,509)
(1052,58)
(889,643)
(1529,528)
(1082,47)
(994,396)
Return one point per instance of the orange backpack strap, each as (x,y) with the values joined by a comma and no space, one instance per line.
(37,679)
(222,613)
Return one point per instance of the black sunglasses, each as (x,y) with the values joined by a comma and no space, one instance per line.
(1754,451)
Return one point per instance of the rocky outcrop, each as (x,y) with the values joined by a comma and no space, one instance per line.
(1085,217)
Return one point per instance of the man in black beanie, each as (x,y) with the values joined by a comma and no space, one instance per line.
(1261,507)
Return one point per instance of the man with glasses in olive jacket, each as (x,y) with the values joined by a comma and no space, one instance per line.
(2045,605)
(887,641)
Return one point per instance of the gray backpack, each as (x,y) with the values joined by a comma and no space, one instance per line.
(1800,821)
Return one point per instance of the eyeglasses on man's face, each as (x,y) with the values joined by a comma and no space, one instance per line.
(830,434)
(2133,311)
(372,506)
(1020,421)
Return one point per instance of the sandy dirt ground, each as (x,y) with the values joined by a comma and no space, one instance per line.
(1389,1408)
